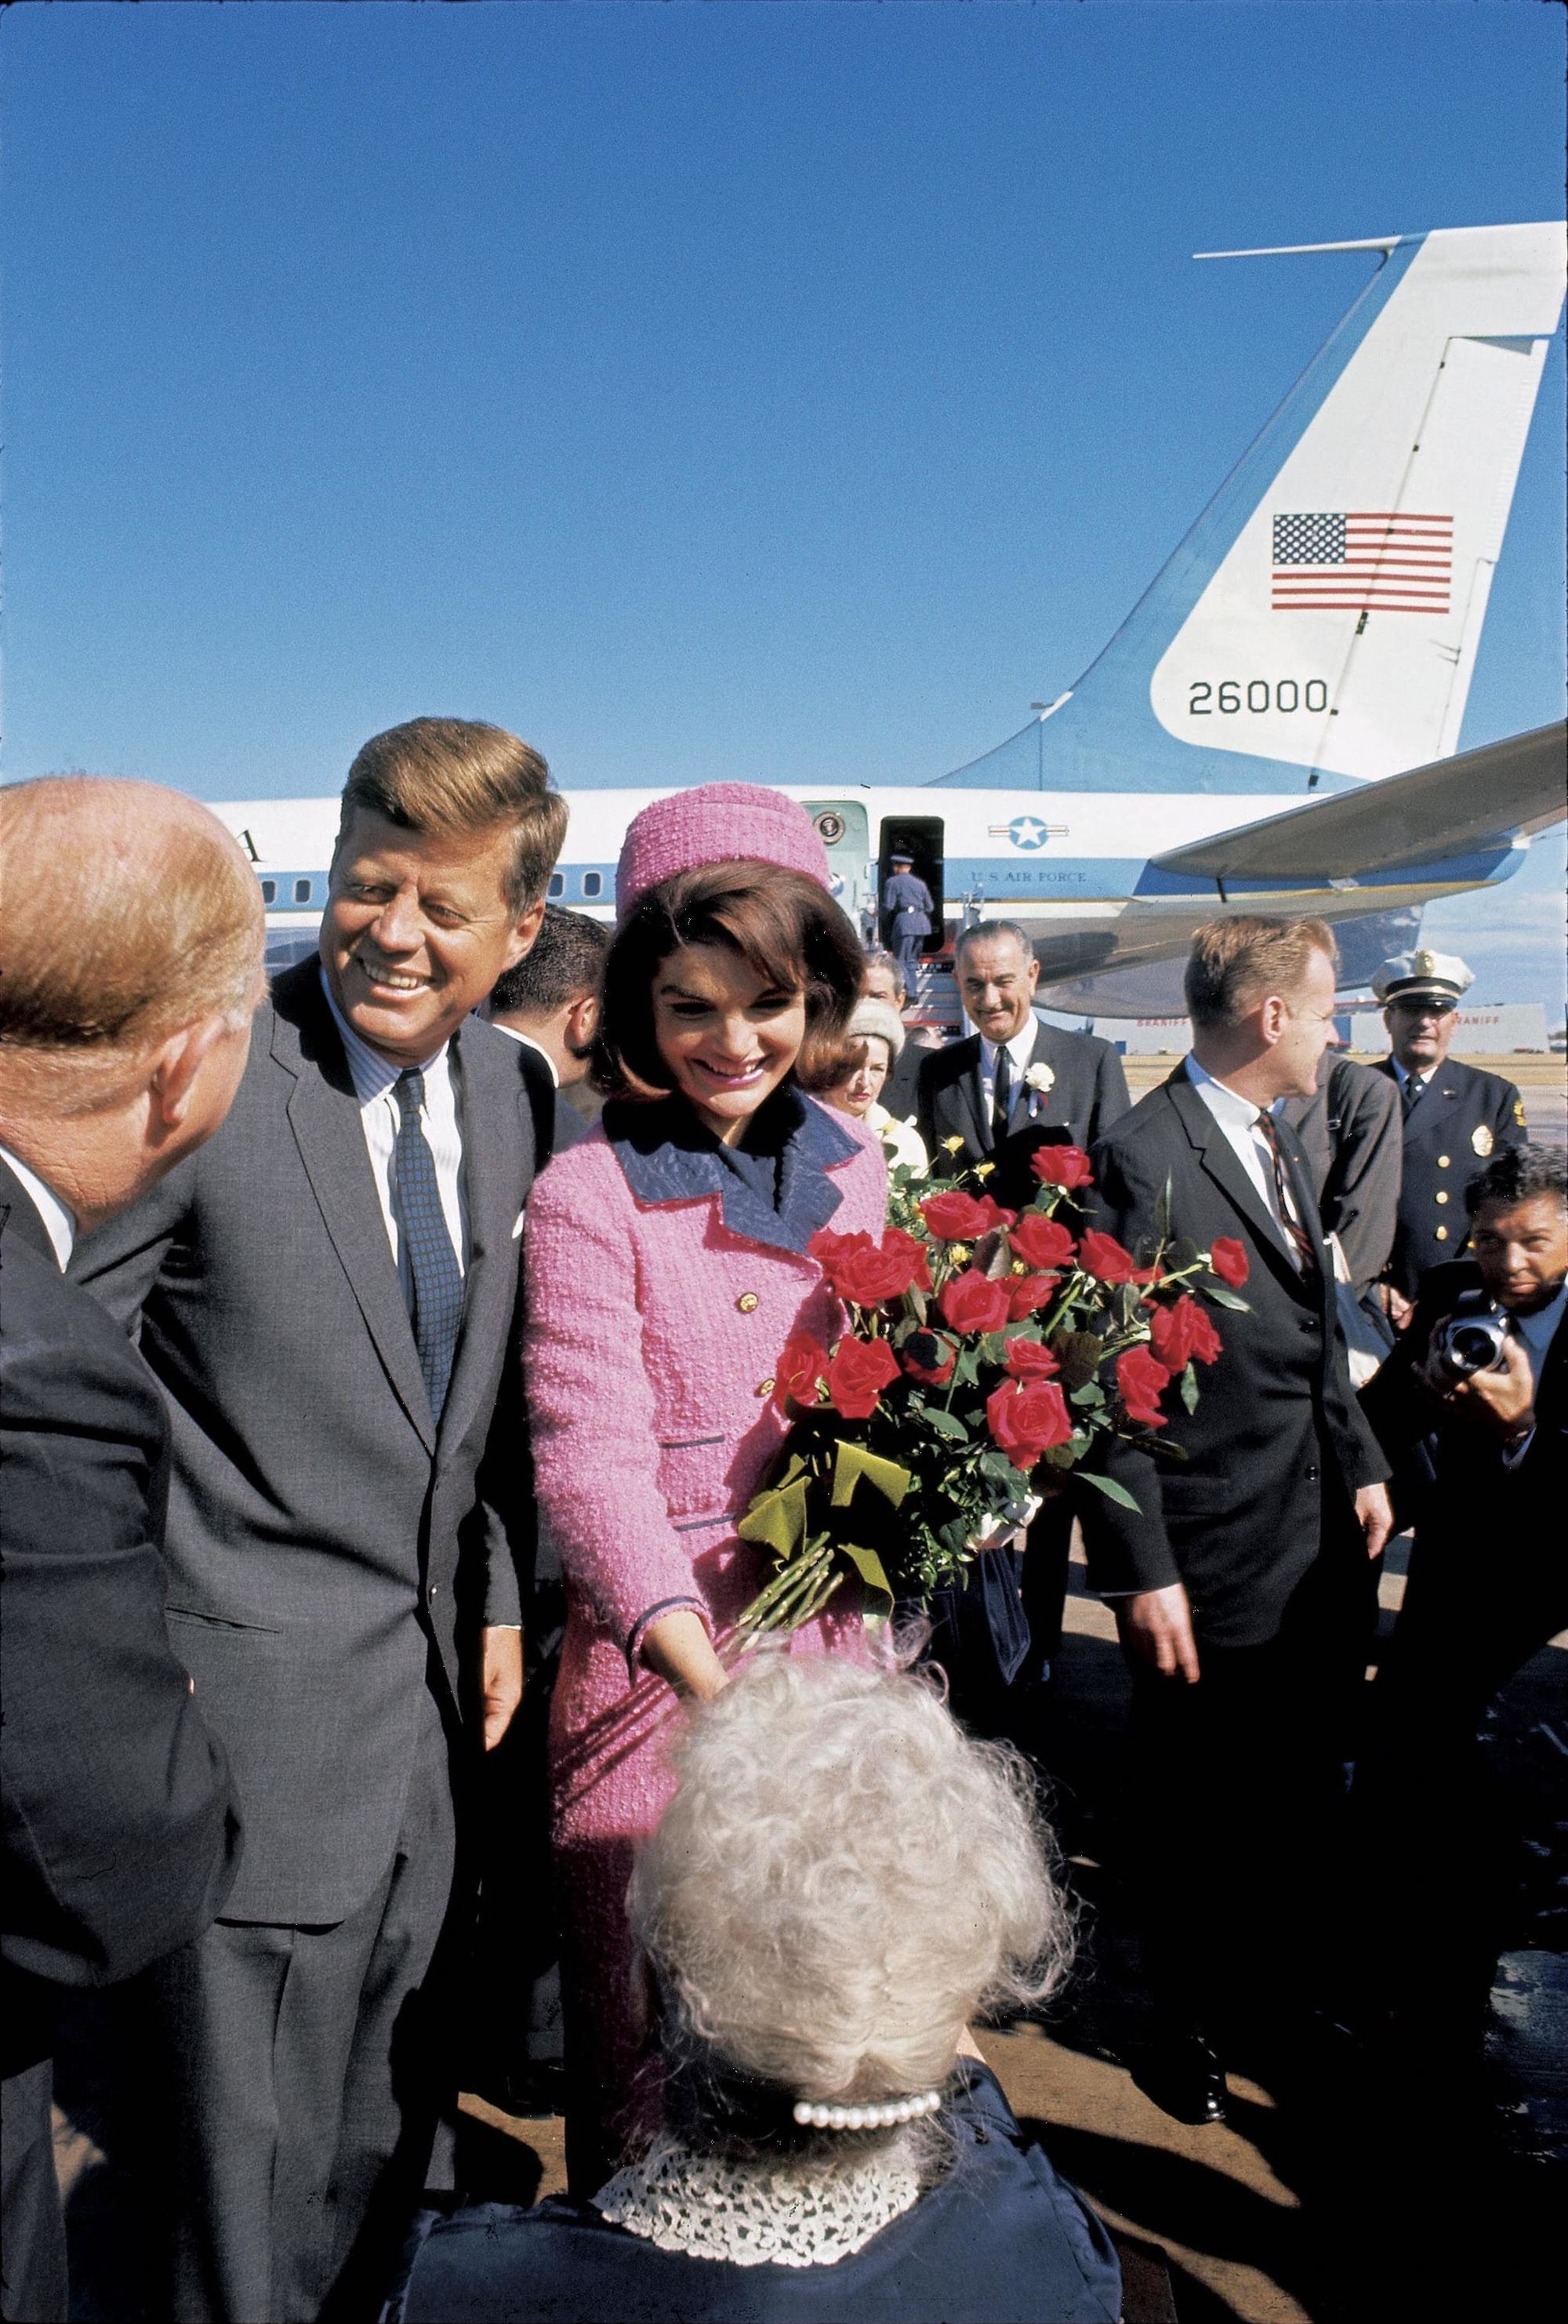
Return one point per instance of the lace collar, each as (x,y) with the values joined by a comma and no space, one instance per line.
(757,2215)
(775,1190)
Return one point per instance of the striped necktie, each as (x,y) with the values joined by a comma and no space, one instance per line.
(438,1279)
(1296,1232)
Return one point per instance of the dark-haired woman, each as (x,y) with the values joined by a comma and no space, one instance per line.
(666,1268)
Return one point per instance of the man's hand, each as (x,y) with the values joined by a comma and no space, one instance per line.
(1396,1307)
(500,1681)
(1156,1624)
(1503,1401)
(1375,1516)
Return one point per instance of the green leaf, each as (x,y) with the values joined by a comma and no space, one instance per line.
(1224,1297)
(945,1423)
(1113,1490)
(998,1468)
(878,1589)
(1189,1389)
(854,1462)
(1079,1354)
(1088,1395)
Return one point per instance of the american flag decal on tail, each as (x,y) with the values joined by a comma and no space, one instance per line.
(1372,561)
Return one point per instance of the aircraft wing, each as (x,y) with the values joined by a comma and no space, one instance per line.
(1499,792)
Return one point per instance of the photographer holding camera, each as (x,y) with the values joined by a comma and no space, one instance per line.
(1482,1375)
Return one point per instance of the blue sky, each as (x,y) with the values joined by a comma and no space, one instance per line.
(794,392)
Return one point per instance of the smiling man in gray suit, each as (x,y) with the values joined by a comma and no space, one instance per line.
(328,1294)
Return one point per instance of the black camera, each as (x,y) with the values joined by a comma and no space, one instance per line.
(1471,1338)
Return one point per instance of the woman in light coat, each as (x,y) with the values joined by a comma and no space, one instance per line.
(666,1266)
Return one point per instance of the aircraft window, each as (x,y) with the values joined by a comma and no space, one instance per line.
(593,883)
(269,891)
(302,891)
(557,886)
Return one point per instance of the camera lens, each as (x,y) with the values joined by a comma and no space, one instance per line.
(1472,1348)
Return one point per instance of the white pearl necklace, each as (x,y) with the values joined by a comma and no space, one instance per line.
(815,2116)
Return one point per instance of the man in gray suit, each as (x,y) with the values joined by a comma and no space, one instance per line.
(1350,1133)
(328,1294)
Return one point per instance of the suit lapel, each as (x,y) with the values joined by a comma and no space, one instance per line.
(1433,1122)
(1221,1163)
(324,1117)
(19,1215)
(497,1139)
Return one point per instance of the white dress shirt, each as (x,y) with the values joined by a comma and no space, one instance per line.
(57,1222)
(1020,1049)
(380,1118)
(1239,1118)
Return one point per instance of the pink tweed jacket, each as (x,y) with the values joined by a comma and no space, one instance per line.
(654,1331)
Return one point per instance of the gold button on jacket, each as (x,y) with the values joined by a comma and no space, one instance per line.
(1442,1234)
(1440,1197)
(746,1302)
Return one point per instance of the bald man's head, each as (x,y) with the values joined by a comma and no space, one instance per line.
(129,914)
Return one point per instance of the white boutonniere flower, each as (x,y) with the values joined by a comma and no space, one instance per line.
(1040,1079)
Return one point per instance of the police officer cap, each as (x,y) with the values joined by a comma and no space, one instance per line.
(900,855)
(1436,976)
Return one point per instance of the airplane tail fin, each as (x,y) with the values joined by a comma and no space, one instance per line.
(1318,626)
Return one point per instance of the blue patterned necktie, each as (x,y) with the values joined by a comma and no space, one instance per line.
(438,1278)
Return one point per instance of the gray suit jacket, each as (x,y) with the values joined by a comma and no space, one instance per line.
(1351,1135)
(328,1548)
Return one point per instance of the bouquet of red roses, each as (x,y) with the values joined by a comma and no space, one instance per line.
(989,1353)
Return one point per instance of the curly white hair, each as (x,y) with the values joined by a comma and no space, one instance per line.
(842,1880)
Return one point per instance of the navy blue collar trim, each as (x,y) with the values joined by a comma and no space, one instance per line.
(775,1190)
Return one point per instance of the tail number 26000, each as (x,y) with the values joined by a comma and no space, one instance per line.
(1229,695)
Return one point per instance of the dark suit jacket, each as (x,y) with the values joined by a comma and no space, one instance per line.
(1461,1106)
(118,1840)
(1350,1133)
(1276,1447)
(325,1542)
(1089,1094)
(1000,2237)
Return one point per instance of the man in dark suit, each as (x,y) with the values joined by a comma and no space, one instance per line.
(1488,1584)
(1350,1132)
(550,1004)
(1454,1115)
(1015,1085)
(119,1840)
(1242,1577)
(328,1294)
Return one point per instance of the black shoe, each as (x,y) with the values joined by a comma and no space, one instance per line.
(1184,2078)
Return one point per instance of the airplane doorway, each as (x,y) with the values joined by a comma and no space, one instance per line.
(922,836)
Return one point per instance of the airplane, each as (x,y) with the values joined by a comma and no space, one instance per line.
(1273,727)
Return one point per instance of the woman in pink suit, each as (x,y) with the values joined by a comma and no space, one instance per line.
(667,1267)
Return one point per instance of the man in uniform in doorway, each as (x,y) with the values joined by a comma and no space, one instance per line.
(909,905)
(1455,1116)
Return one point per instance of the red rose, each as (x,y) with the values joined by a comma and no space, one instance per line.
(1062,1165)
(972,1302)
(1025,1293)
(1026,1418)
(1228,1259)
(857,1373)
(1141,1381)
(1101,1256)
(1039,1241)
(1178,1333)
(929,1358)
(866,1272)
(1028,1360)
(800,1367)
(958,1217)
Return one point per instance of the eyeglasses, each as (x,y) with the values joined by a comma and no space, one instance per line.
(1424,1008)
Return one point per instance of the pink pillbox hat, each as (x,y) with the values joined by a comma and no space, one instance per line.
(716,822)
